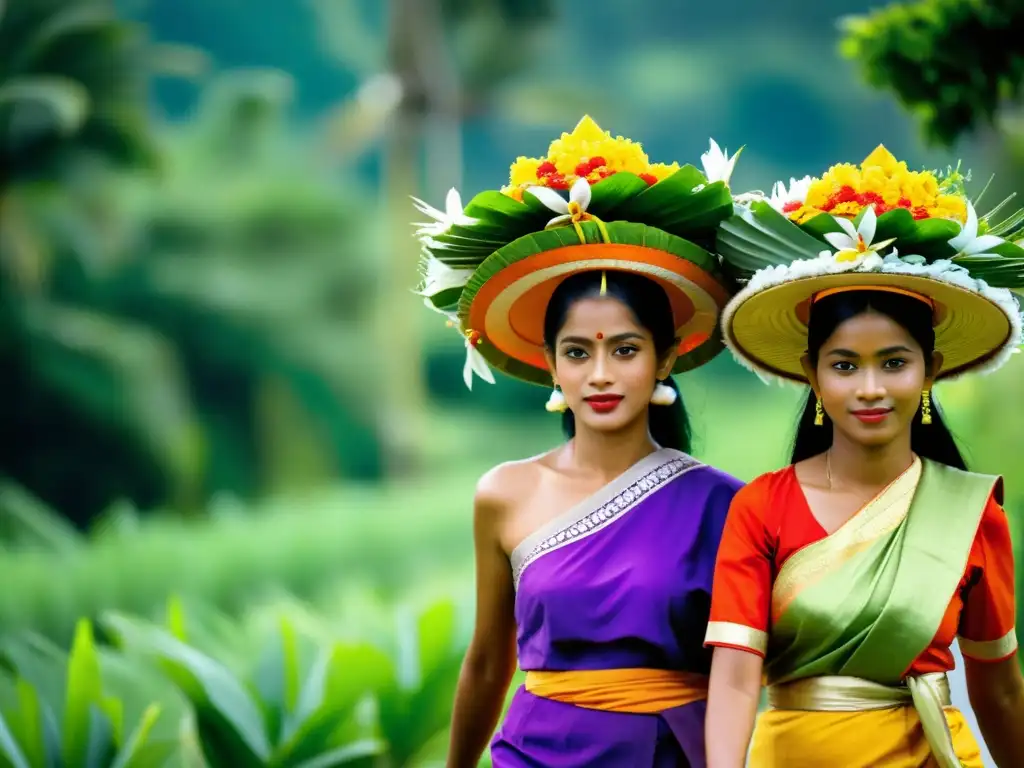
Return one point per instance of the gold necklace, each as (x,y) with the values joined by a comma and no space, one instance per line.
(828,467)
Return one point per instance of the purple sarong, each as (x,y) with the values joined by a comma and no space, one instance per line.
(622,580)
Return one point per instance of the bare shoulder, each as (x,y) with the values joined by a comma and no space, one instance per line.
(508,486)
(505,487)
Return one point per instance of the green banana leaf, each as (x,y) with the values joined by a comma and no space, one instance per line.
(285,715)
(89,733)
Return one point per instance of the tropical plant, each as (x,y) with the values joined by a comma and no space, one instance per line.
(952,63)
(307,693)
(256,264)
(297,708)
(72,85)
(416,695)
(79,385)
(89,731)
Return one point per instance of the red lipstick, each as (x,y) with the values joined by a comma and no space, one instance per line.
(603,403)
(872,415)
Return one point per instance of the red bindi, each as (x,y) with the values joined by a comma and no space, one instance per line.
(600,335)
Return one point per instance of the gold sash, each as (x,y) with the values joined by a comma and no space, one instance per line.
(928,694)
(636,691)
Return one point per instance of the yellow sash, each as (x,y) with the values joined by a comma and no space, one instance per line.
(928,694)
(840,720)
(637,691)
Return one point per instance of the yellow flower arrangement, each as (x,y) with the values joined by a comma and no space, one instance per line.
(883,183)
(589,153)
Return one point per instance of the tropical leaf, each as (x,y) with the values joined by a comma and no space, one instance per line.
(9,747)
(1005,270)
(137,752)
(283,716)
(72,85)
(84,692)
(684,204)
(929,237)
(91,734)
(26,724)
(350,753)
(611,193)
(229,722)
(759,236)
(821,225)
(64,102)
(414,705)
(25,521)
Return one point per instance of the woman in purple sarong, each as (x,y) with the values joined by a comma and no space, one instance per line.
(594,560)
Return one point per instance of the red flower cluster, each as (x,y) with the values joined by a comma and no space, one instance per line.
(847,194)
(593,170)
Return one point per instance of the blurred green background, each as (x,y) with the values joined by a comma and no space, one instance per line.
(238,457)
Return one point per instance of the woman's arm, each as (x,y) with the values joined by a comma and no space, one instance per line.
(735,691)
(996,691)
(490,660)
(738,624)
(988,642)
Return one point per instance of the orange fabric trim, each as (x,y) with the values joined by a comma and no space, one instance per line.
(880,288)
(637,691)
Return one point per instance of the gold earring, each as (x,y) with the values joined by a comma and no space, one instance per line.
(819,413)
(926,407)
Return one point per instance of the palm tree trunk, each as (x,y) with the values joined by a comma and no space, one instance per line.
(423,121)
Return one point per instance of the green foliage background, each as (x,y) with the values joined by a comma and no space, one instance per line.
(237,455)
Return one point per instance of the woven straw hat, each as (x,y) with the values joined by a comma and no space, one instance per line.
(880,227)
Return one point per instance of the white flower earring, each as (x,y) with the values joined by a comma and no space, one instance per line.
(556,403)
(663,394)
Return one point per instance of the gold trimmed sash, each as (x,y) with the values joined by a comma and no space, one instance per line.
(636,691)
(928,694)
(882,515)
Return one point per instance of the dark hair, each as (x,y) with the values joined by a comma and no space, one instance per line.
(933,441)
(649,304)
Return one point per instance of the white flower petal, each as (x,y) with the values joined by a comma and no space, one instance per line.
(559,220)
(798,188)
(438,277)
(475,364)
(847,227)
(549,199)
(580,193)
(868,224)
(981,244)
(730,166)
(840,240)
(713,161)
(968,232)
(425,207)
(453,203)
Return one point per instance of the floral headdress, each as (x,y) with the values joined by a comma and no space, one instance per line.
(882,226)
(594,202)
